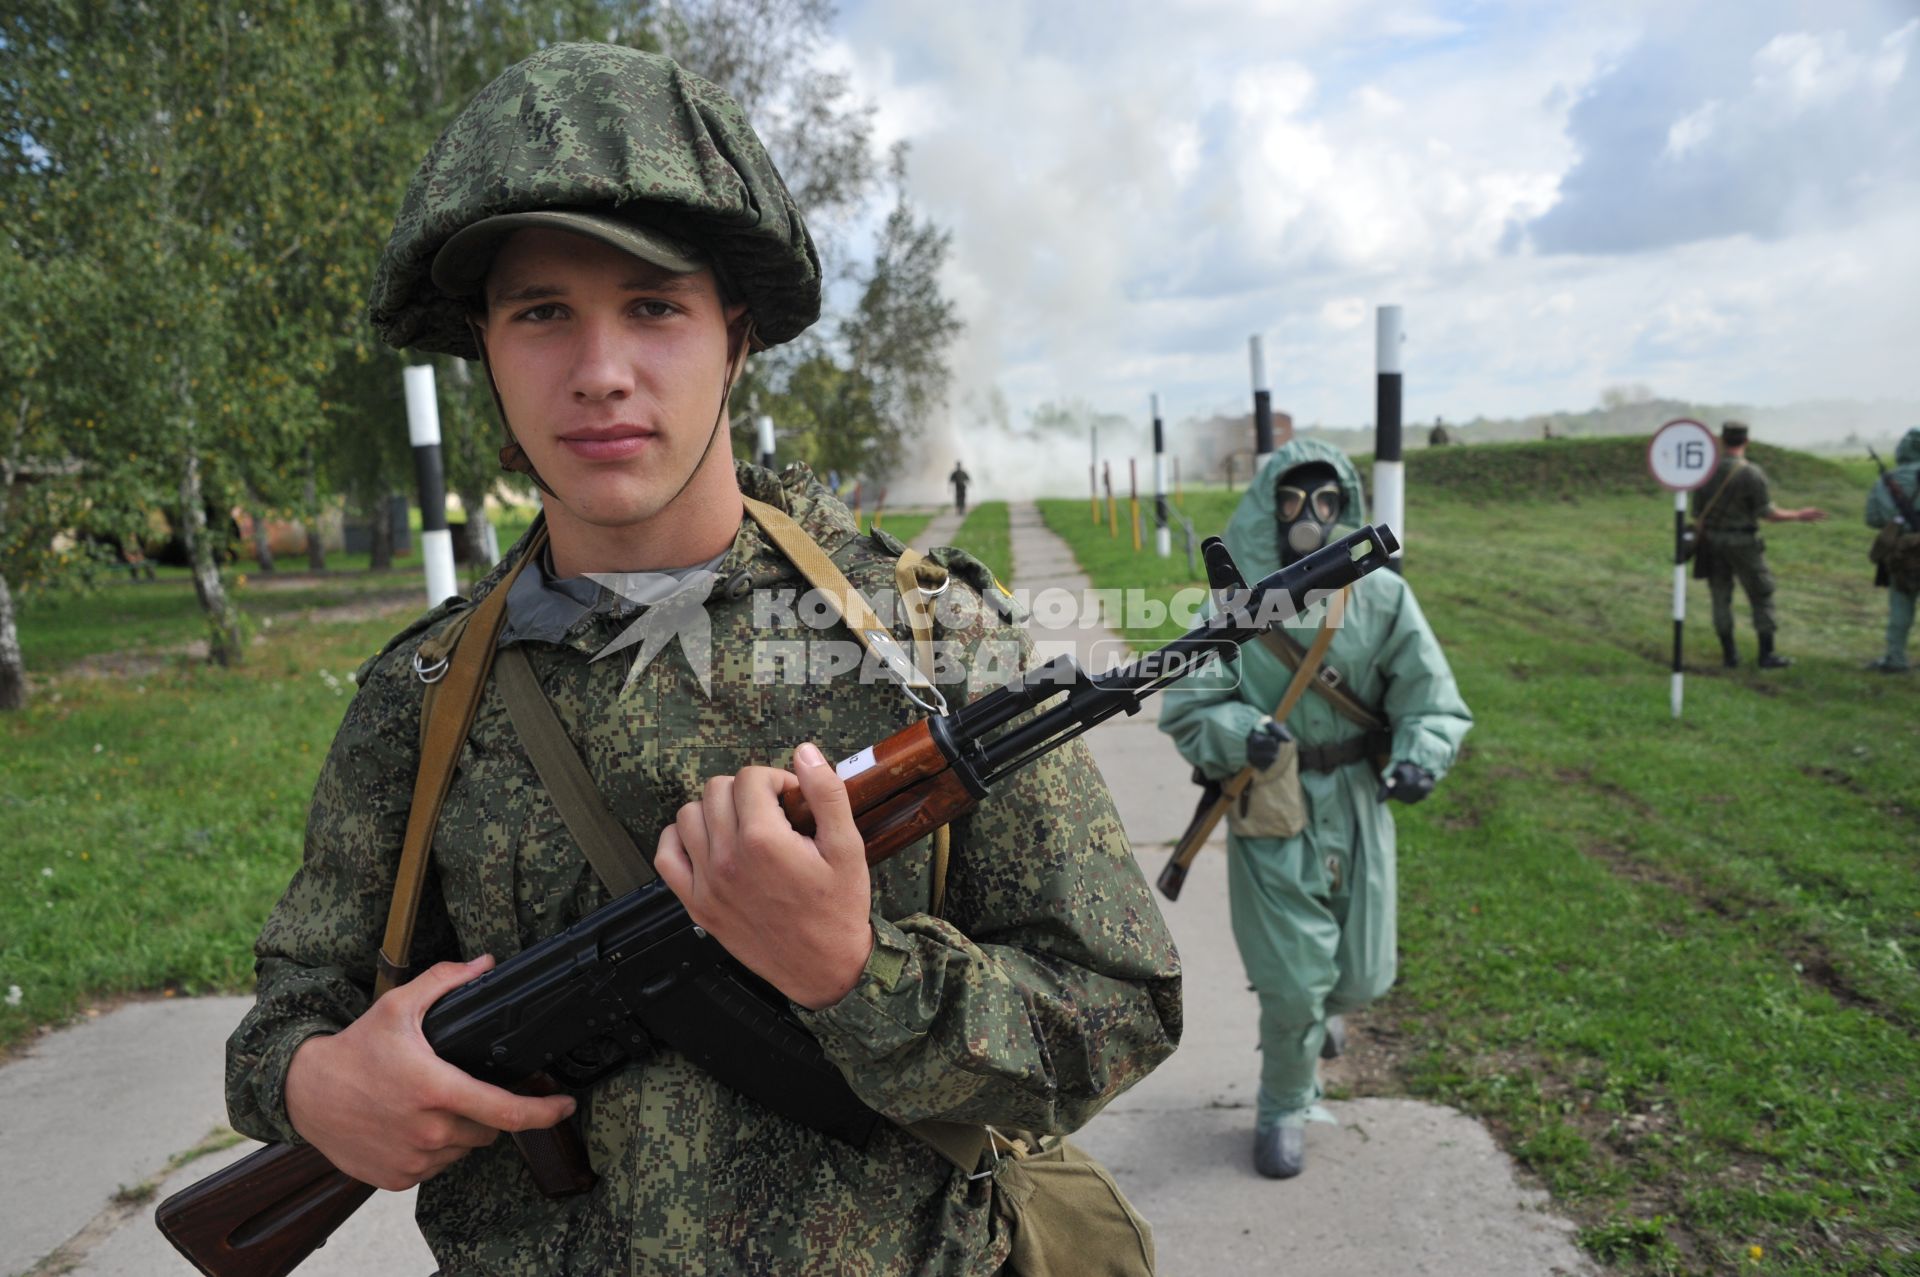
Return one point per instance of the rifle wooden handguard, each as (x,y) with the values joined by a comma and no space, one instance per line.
(901,790)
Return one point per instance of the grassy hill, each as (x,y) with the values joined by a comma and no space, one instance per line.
(1673,963)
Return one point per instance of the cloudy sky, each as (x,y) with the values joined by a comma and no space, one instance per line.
(1718,200)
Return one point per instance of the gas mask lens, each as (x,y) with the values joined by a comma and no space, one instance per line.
(1323,500)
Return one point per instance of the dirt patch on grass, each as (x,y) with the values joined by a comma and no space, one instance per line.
(1811,960)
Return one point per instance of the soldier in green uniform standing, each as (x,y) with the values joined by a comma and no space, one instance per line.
(1899,567)
(604,232)
(1728,510)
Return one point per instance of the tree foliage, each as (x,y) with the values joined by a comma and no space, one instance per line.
(194,195)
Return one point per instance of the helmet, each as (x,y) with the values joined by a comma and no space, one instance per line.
(594,128)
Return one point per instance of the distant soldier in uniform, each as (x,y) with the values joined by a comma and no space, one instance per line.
(1311,870)
(959,479)
(1897,553)
(1728,510)
(605,234)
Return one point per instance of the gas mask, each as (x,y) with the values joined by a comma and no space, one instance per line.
(1307,504)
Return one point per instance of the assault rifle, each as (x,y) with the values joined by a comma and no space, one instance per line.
(637,973)
(1903,502)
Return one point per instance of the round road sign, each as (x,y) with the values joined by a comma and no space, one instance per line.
(1682,455)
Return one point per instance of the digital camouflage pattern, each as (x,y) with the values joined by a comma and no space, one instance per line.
(601,126)
(1050,986)
(1314,915)
(1732,547)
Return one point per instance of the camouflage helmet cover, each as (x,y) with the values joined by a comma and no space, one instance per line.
(586,126)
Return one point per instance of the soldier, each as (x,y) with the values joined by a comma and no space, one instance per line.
(1311,854)
(1897,555)
(1728,510)
(959,479)
(604,232)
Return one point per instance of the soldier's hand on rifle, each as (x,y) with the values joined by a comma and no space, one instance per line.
(385,1109)
(1406,782)
(792,908)
(1264,742)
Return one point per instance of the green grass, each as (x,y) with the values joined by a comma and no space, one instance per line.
(1672,963)
(146,822)
(987,534)
(905,524)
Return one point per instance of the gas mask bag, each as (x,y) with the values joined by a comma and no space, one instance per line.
(1307,504)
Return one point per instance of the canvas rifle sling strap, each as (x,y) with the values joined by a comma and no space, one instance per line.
(918,581)
(1327,683)
(1700,523)
(446,715)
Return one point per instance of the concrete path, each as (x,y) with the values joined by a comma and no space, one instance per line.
(940,531)
(90,1116)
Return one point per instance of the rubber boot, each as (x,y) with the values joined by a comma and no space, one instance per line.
(1770,659)
(1728,657)
(1280,1151)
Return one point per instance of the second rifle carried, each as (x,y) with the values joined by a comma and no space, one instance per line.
(638,973)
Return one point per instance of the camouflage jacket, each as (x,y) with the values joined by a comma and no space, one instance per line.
(1049,985)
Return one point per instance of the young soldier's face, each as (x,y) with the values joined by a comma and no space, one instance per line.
(612,372)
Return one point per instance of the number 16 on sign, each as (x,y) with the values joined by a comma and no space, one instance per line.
(1682,455)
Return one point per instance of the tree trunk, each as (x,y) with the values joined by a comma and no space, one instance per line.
(224,643)
(479,551)
(316,549)
(379,532)
(13,667)
(262,551)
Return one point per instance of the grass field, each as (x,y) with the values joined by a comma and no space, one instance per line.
(1672,963)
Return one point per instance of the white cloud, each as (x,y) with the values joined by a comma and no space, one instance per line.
(1135,188)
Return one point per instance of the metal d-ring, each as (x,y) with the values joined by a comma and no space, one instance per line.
(430,673)
(939,705)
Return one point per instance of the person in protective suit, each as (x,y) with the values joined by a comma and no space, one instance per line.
(1898,554)
(604,233)
(1311,873)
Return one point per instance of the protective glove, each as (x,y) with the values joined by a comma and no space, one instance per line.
(1408,782)
(1264,742)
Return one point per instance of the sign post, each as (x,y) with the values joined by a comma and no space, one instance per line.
(1682,455)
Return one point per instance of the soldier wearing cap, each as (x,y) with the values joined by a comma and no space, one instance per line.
(1728,510)
(603,231)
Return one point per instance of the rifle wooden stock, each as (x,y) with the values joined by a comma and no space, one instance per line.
(1205,819)
(263,1215)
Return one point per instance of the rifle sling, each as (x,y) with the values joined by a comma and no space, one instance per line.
(608,846)
(1700,520)
(446,718)
(1328,684)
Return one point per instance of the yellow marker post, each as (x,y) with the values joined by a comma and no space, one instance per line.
(1133,499)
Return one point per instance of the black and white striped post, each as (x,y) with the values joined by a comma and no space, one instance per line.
(764,422)
(1162,536)
(1389,471)
(423,429)
(1682,455)
(1262,403)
